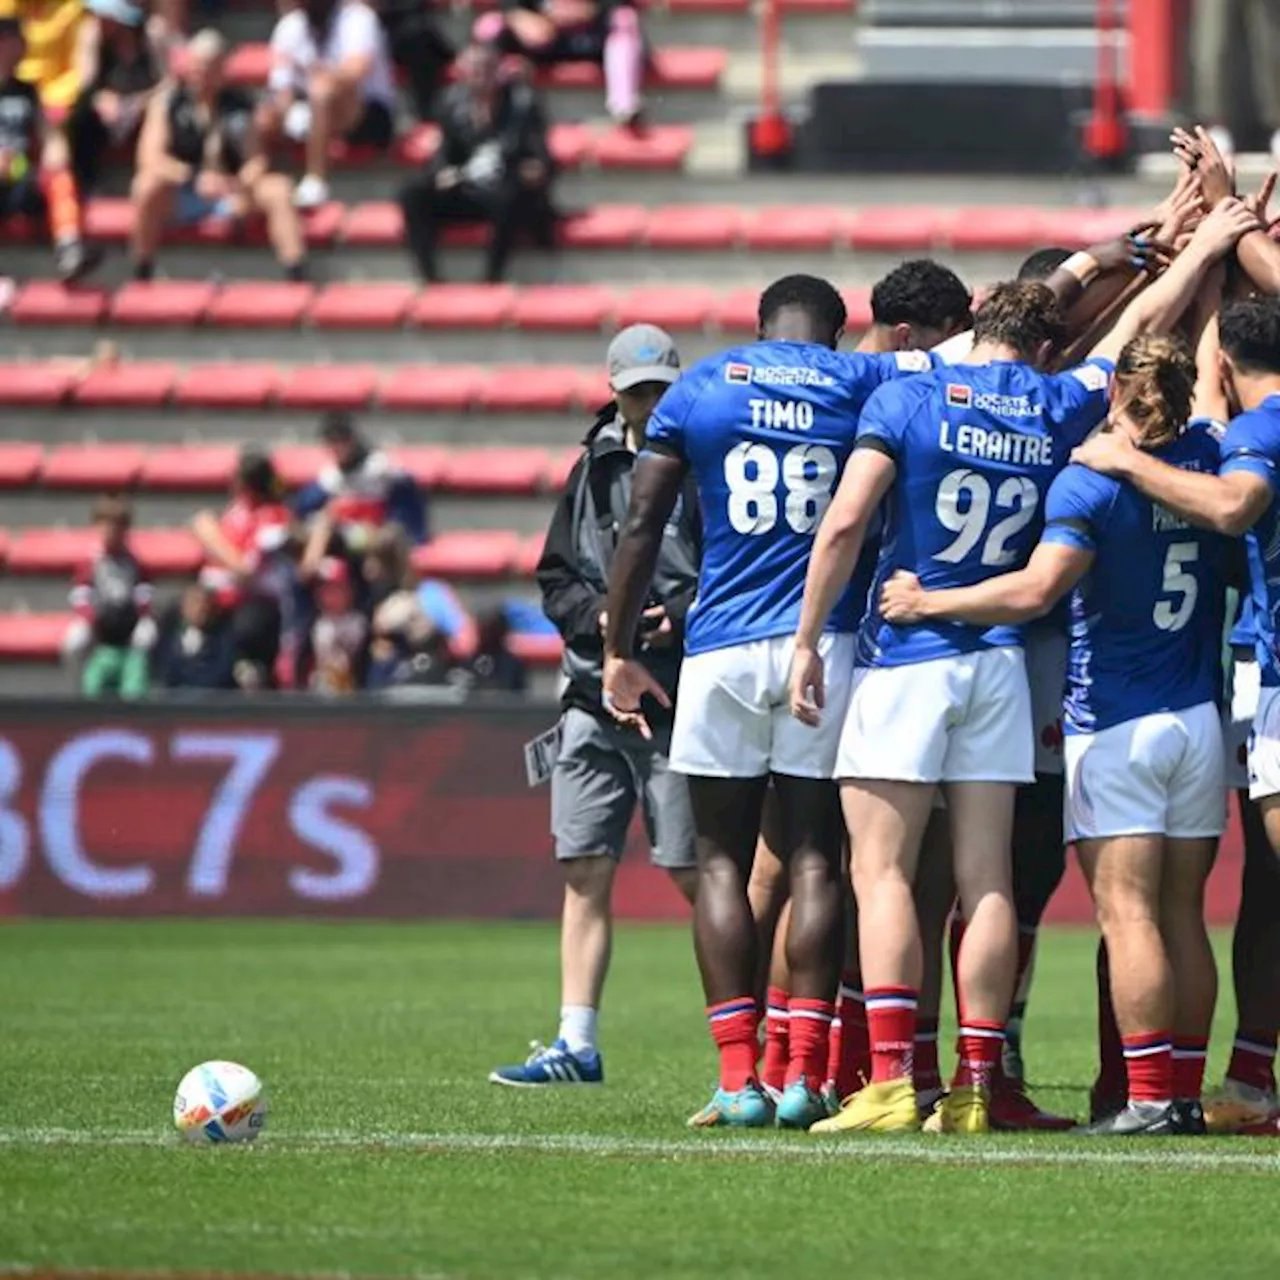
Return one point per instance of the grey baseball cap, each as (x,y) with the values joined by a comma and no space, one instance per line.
(642,353)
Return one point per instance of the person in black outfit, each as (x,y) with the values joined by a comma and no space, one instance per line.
(20,127)
(122,69)
(198,157)
(493,165)
(197,649)
(420,49)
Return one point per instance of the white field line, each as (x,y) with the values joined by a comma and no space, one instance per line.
(1102,1152)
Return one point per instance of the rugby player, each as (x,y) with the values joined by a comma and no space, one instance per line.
(764,430)
(1143,738)
(1240,500)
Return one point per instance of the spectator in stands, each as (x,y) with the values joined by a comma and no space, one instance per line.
(250,566)
(606,32)
(114,631)
(493,165)
(330,80)
(357,494)
(197,649)
(21,124)
(340,634)
(1221,61)
(420,49)
(495,668)
(50,33)
(120,67)
(198,158)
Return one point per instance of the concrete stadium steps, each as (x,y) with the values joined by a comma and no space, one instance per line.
(977,13)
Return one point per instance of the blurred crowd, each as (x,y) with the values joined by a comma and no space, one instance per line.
(311,591)
(83,82)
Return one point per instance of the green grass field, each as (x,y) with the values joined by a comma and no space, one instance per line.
(387,1153)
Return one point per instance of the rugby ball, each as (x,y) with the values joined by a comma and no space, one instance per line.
(220,1102)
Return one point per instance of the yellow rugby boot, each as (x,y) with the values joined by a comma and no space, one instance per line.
(966,1109)
(888,1107)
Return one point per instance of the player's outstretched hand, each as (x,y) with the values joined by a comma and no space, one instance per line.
(1199,152)
(1223,226)
(1137,248)
(807,686)
(1108,452)
(626,681)
(902,599)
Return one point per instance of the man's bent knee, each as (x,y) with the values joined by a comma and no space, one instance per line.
(591,876)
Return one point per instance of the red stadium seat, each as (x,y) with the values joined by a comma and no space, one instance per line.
(299,464)
(33,637)
(570,144)
(22,230)
(537,650)
(227,386)
(381,304)
(167,303)
(167,552)
(682,226)
(49,551)
(1004,230)
(689,68)
(426,463)
(248,65)
(260,304)
(794,229)
(1080,228)
(715,7)
(593,391)
(320,226)
(463,306)
(192,468)
(145,385)
(526,563)
(92,466)
(468,554)
(109,219)
(661,147)
(608,226)
(559,465)
(858,304)
(515,471)
(678,307)
(378,224)
(36,384)
(440,388)
(896,229)
(43,302)
(19,464)
(344,386)
(417,146)
(560,308)
(529,389)
(739,312)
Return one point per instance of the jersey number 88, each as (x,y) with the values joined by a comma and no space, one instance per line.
(751,471)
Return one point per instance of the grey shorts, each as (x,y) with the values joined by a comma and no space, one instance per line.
(601,775)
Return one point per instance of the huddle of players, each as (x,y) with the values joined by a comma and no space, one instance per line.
(878,529)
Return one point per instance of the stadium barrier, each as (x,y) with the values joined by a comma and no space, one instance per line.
(299,807)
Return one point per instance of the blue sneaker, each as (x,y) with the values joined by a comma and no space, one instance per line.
(552,1065)
(800,1107)
(749,1108)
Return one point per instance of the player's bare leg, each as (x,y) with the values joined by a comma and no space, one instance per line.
(981,832)
(1124,875)
(726,815)
(1195,972)
(813,840)
(886,823)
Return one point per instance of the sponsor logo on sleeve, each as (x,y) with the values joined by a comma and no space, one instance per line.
(738,374)
(959,396)
(1093,376)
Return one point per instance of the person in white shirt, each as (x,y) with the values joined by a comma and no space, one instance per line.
(330,78)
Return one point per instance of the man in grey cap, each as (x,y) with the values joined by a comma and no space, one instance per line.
(604,770)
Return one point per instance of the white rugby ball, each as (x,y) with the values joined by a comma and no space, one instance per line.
(220,1102)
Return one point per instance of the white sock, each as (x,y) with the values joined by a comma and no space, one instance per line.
(578,1028)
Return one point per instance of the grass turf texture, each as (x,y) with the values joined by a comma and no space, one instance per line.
(388,1154)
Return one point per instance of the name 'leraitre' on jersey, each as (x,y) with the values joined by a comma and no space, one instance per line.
(975,448)
(766,430)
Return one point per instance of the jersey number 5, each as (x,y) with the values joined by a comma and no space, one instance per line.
(1173,615)
(963,505)
(751,471)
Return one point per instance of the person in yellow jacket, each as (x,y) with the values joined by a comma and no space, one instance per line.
(51,30)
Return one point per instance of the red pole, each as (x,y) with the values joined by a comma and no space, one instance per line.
(1153,56)
(770,132)
(1105,135)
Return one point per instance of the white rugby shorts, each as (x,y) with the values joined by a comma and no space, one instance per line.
(1159,774)
(1046,653)
(1237,721)
(1264,747)
(957,719)
(733,717)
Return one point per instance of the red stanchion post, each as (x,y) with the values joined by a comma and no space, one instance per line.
(770,131)
(1153,55)
(1105,135)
